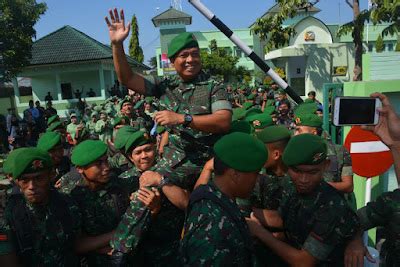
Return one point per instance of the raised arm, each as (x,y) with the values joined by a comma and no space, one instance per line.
(118,33)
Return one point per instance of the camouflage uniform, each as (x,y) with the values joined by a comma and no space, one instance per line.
(154,241)
(320,223)
(340,166)
(286,121)
(119,163)
(102,210)
(41,235)
(91,126)
(188,149)
(385,212)
(70,180)
(215,232)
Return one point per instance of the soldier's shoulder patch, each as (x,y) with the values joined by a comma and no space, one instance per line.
(3,237)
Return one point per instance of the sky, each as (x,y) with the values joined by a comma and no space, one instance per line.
(88,16)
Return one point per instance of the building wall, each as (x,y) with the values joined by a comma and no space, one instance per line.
(311,24)
(42,84)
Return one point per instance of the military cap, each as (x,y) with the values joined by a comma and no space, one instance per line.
(53,119)
(136,139)
(308,101)
(149,99)
(8,164)
(269,110)
(125,100)
(281,92)
(88,152)
(48,140)
(306,108)
(305,149)
(122,136)
(260,121)
(120,120)
(180,42)
(311,120)
(253,111)
(270,102)
(241,126)
(238,114)
(138,104)
(32,160)
(94,114)
(54,126)
(251,97)
(241,151)
(273,134)
(247,105)
(73,115)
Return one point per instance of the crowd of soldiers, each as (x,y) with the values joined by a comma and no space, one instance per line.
(188,171)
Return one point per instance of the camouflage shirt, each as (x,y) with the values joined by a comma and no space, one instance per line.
(154,240)
(320,223)
(46,233)
(215,233)
(385,212)
(201,96)
(102,210)
(340,163)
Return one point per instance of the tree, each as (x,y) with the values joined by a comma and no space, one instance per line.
(219,61)
(135,51)
(397,48)
(153,62)
(379,45)
(386,11)
(271,29)
(16,32)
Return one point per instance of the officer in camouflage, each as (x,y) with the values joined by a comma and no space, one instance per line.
(193,106)
(40,225)
(152,224)
(317,221)
(215,233)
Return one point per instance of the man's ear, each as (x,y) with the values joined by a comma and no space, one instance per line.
(276,154)
(79,169)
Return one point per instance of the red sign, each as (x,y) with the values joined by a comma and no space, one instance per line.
(370,157)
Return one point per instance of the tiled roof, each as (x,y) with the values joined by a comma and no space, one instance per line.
(171,14)
(67,44)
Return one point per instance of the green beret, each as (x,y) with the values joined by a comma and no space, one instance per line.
(273,134)
(247,105)
(305,149)
(238,114)
(253,111)
(87,152)
(94,114)
(53,119)
(308,101)
(54,126)
(251,97)
(123,120)
(122,136)
(260,121)
(241,126)
(138,104)
(269,110)
(311,120)
(149,99)
(270,102)
(136,139)
(8,164)
(180,42)
(242,152)
(48,140)
(125,100)
(306,108)
(73,115)
(160,129)
(32,160)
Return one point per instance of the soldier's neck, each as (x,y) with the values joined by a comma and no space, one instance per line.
(223,186)
(279,169)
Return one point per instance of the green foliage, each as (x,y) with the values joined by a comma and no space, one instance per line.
(349,27)
(387,11)
(135,51)
(16,31)
(153,62)
(379,45)
(220,62)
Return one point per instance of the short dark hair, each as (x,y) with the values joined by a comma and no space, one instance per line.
(219,167)
(280,144)
(285,102)
(311,93)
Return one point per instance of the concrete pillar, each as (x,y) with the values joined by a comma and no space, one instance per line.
(102,83)
(58,87)
(16,91)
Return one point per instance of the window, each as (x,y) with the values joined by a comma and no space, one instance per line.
(66,91)
(238,52)
(390,47)
(370,48)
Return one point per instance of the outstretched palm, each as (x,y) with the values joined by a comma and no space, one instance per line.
(117,29)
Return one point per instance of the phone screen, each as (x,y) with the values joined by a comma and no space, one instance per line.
(357,111)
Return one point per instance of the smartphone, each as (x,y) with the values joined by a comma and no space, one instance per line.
(356,111)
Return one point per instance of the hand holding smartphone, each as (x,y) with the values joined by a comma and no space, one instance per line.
(356,111)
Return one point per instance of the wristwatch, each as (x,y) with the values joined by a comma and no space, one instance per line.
(187,120)
(164,181)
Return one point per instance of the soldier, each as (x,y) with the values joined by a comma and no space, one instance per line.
(102,200)
(340,171)
(316,219)
(40,225)
(51,142)
(73,126)
(103,127)
(91,124)
(193,106)
(285,116)
(215,232)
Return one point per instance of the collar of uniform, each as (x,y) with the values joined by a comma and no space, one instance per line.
(219,193)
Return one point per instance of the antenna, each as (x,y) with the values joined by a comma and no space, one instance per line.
(177,4)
